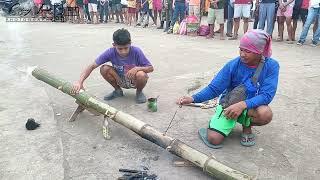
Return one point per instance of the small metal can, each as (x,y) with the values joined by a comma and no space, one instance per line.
(152,104)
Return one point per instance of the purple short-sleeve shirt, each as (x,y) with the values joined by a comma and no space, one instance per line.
(123,64)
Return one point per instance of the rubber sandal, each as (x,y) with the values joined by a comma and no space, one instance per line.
(247,140)
(113,95)
(204,137)
(290,42)
(229,35)
(233,38)
(210,36)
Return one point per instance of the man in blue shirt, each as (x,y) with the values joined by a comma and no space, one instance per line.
(253,110)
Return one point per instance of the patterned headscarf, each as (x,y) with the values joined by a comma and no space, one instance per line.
(257,41)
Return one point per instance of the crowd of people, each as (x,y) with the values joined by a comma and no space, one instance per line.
(165,13)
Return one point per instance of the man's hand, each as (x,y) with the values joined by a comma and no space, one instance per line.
(185,100)
(77,87)
(234,111)
(131,74)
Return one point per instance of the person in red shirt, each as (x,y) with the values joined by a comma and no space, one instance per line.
(242,9)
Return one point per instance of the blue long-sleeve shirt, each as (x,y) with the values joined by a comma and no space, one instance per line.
(234,73)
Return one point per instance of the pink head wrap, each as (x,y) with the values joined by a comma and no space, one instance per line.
(257,41)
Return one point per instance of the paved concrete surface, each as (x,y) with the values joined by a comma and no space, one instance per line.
(287,148)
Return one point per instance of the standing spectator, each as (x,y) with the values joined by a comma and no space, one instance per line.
(276,19)
(124,7)
(71,4)
(111,13)
(151,13)
(285,15)
(179,10)
(163,15)
(93,9)
(138,8)
(86,9)
(256,15)
(300,10)
(157,7)
(194,8)
(80,4)
(144,14)
(104,11)
(168,13)
(131,11)
(216,13)
(116,8)
(230,18)
(266,13)
(314,12)
(242,8)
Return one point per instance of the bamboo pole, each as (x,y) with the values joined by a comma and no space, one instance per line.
(146,131)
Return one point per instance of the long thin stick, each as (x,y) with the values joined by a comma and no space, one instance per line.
(165,132)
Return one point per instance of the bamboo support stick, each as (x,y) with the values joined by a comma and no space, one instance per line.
(146,131)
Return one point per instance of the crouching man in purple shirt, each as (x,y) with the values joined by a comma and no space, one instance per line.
(129,67)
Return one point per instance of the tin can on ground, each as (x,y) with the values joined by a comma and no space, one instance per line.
(152,105)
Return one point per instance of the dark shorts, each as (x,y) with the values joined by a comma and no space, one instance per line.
(300,13)
(126,83)
(124,6)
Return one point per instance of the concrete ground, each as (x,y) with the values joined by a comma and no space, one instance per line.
(287,148)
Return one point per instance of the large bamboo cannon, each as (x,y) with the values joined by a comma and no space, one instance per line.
(208,163)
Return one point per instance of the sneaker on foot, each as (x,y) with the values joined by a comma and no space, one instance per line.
(300,43)
(314,44)
(140,98)
(170,31)
(113,95)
